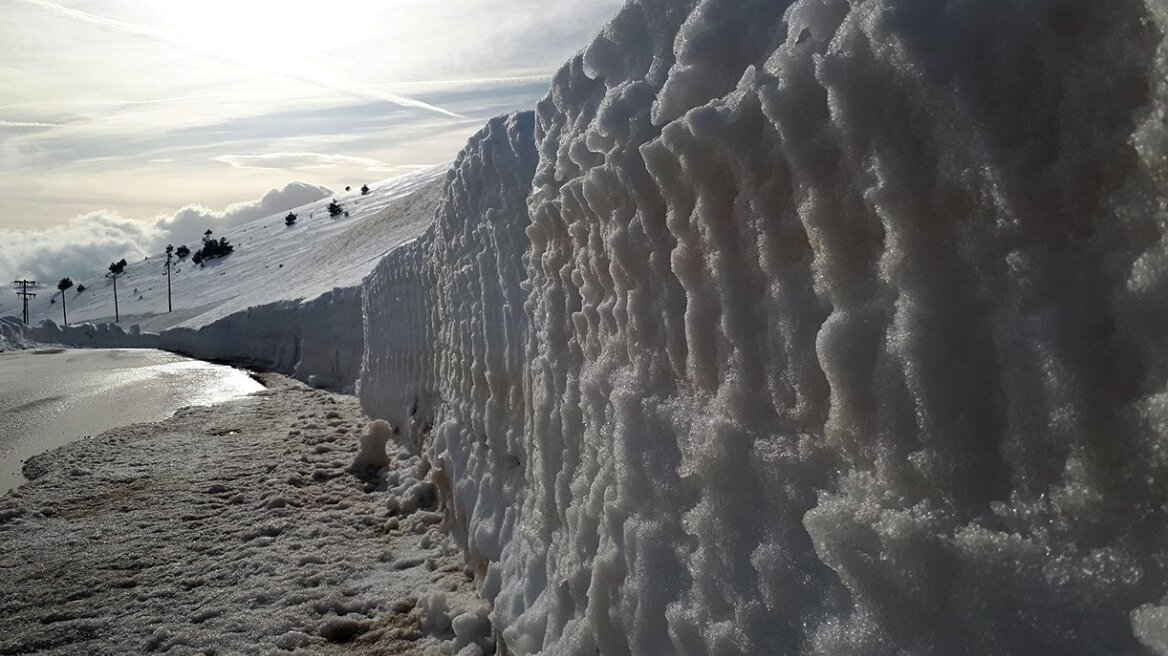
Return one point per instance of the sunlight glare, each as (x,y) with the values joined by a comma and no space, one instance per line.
(263,33)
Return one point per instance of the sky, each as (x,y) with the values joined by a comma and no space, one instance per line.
(116,116)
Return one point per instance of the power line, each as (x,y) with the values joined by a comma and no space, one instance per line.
(24,294)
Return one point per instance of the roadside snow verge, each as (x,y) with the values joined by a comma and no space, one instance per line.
(318,341)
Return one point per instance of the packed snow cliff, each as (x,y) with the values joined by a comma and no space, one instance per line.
(821,327)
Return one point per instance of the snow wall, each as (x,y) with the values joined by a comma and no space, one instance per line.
(318,341)
(84,335)
(445,340)
(828,327)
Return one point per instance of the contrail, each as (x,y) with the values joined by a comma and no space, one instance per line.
(332,84)
(482,81)
(213,96)
(119,103)
(28,124)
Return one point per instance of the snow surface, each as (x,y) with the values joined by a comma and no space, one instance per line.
(233,529)
(843,333)
(272,262)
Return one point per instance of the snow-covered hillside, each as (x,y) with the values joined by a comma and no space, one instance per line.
(288,299)
(271,262)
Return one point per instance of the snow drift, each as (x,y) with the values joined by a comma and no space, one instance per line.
(316,340)
(827,327)
(445,334)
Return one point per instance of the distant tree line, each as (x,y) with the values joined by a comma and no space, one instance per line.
(212,248)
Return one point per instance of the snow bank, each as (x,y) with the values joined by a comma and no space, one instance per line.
(444,335)
(104,335)
(319,339)
(12,335)
(844,333)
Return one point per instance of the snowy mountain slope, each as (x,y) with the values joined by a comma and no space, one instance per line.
(288,299)
(272,262)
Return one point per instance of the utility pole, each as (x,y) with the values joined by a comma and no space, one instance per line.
(169,254)
(24,294)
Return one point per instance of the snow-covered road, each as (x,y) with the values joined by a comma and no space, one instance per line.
(53,396)
(237,528)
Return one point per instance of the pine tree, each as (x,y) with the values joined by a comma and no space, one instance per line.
(62,285)
(116,270)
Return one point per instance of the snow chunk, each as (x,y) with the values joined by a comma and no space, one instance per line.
(471,627)
(372,453)
(1150,624)
(435,614)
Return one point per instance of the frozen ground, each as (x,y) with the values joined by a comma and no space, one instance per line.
(52,396)
(231,529)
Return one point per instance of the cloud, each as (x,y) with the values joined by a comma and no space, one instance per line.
(86,243)
(303,161)
(28,124)
(326,81)
(45,178)
(104,72)
(89,242)
(470,82)
(188,224)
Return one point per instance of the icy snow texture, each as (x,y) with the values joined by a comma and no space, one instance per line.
(445,331)
(844,334)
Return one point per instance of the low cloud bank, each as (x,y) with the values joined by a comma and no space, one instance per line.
(188,224)
(90,241)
